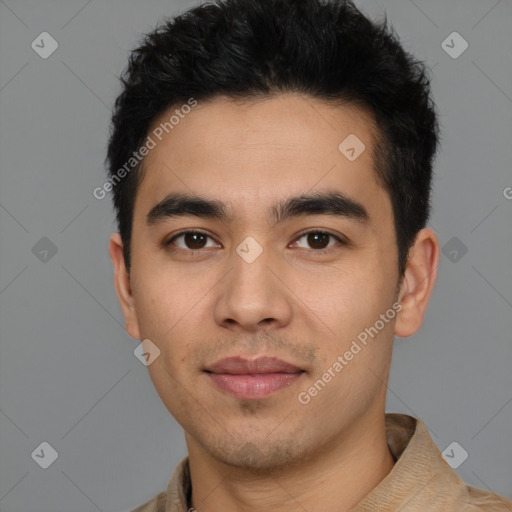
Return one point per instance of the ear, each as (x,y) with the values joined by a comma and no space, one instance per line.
(123,287)
(417,283)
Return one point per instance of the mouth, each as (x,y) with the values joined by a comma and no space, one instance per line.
(253,378)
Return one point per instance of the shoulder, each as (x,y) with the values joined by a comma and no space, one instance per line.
(156,504)
(479,500)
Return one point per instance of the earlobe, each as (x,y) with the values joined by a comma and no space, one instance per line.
(123,286)
(418,282)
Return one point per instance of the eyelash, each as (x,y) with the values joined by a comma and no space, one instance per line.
(168,243)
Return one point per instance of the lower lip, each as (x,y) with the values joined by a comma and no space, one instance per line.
(253,386)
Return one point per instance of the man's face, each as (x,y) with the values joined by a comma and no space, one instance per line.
(304,299)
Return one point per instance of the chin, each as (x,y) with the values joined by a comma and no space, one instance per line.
(256,456)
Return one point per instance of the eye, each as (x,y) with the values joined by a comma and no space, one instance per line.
(318,240)
(191,241)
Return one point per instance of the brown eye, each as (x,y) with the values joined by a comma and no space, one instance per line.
(194,240)
(318,240)
(191,241)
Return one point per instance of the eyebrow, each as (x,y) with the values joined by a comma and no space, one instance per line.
(324,203)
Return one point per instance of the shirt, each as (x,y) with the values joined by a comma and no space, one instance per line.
(421,479)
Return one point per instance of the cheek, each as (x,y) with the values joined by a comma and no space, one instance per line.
(165,299)
(172,315)
(344,303)
(345,294)
(155,313)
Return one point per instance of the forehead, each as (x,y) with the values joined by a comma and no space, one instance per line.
(250,154)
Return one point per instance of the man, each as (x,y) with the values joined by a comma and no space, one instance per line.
(271,168)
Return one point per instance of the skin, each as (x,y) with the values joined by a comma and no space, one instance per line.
(292,302)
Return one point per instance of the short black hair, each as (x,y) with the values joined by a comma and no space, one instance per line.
(326,49)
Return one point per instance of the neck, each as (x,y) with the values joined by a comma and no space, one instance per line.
(333,480)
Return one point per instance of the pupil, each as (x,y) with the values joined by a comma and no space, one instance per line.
(313,240)
(192,239)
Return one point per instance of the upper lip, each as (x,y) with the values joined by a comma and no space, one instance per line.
(241,366)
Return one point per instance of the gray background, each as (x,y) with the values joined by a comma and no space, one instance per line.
(68,375)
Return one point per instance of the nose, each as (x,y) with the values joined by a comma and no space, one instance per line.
(252,297)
